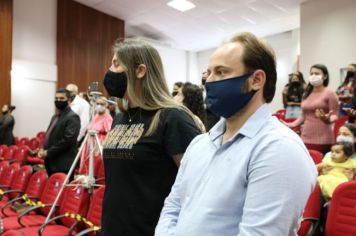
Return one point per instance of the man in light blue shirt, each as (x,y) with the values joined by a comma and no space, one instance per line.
(250,175)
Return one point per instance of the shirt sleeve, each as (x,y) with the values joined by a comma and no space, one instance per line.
(275,197)
(333,106)
(179,130)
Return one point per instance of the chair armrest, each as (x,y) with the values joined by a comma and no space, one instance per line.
(43,226)
(11,191)
(86,231)
(19,218)
(11,202)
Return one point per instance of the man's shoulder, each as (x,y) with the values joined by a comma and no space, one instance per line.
(274,134)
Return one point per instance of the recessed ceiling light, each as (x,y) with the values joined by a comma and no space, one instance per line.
(181,5)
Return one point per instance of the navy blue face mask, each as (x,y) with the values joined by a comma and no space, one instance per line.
(225,97)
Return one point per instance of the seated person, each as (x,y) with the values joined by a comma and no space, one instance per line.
(347,133)
(336,169)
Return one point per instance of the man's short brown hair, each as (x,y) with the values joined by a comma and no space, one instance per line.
(259,55)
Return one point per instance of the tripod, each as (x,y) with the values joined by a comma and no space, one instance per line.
(88,181)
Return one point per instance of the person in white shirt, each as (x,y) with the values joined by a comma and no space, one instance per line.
(81,107)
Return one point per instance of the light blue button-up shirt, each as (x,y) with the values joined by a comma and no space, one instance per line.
(255,184)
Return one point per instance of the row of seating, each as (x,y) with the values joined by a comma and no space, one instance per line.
(281,115)
(340,217)
(26,201)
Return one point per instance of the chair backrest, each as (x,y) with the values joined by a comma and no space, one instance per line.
(342,213)
(3,166)
(34,143)
(316,156)
(96,204)
(36,183)
(10,152)
(20,154)
(3,148)
(100,174)
(280,114)
(311,214)
(41,135)
(20,180)
(338,123)
(84,167)
(24,141)
(75,200)
(9,174)
(51,190)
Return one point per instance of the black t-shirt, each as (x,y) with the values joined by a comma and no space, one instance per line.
(139,169)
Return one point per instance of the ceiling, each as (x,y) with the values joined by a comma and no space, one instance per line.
(205,26)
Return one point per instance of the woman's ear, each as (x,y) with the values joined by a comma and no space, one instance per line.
(141,71)
(258,80)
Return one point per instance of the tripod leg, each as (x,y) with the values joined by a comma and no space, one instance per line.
(66,179)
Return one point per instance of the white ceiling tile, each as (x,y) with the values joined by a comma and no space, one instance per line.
(205,26)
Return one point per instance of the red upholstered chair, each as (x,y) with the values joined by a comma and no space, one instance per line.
(100,174)
(10,152)
(8,175)
(20,155)
(311,214)
(338,123)
(95,210)
(17,140)
(75,201)
(18,183)
(341,219)
(3,166)
(41,135)
(316,155)
(3,148)
(33,191)
(34,143)
(23,141)
(84,168)
(280,114)
(47,198)
(295,129)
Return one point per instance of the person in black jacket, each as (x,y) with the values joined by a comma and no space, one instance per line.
(7,123)
(60,144)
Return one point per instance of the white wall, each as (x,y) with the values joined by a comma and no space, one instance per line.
(286,47)
(179,65)
(34,70)
(327,35)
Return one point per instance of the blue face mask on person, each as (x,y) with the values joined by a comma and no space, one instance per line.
(225,97)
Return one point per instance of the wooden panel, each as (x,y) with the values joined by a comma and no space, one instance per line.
(84,41)
(6,12)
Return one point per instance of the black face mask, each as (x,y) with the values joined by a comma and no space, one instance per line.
(115,83)
(72,97)
(174,94)
(61,105)
(350,74)
(295,83)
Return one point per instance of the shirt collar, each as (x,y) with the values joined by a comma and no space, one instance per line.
(249,129)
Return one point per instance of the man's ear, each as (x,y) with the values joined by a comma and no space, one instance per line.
(141,71)
(258,80)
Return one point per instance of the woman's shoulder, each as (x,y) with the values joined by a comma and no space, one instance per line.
(329,91)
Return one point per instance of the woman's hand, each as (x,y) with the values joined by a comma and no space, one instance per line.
(350,112)
(322,115)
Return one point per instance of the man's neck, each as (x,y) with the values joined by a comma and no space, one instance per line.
(235,122)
